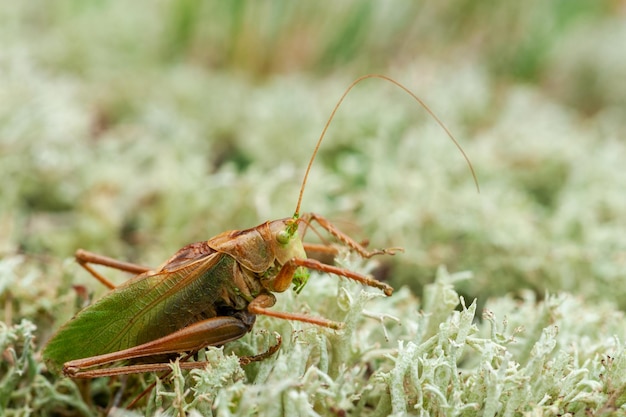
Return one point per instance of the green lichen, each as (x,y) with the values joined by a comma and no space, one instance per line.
(132,129)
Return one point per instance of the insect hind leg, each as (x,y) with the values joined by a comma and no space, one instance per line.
(86,258)
(183,364)
(245,360)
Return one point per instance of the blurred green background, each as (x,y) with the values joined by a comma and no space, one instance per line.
(133,128)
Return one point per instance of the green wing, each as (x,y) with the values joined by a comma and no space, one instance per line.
(143,309)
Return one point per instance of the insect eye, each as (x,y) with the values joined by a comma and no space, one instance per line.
(283,237)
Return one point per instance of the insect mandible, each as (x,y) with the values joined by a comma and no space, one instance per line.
(208,294)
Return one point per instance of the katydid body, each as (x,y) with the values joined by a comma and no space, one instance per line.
(208,293)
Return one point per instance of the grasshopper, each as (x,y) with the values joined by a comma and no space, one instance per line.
(208,294)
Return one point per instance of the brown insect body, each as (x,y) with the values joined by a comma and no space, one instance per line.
(201,281)
(208,293)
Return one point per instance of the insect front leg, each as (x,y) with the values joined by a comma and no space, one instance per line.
(285,276)
(86,258)
(363,279)
(344,238)
(282,281)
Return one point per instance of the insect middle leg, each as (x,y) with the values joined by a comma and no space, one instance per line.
(262,303)
(86,258)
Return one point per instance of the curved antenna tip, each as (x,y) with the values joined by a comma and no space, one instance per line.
(332,115)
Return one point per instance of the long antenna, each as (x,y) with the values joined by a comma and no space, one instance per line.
(332,115)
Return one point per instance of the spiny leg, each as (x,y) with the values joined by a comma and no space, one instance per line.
(159,367)
(214,331)
(327,248)
(246,360)
(363,279)
(283,280)
(85,258)
(243,361)
(344,238)
(321,248)
(262,304)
